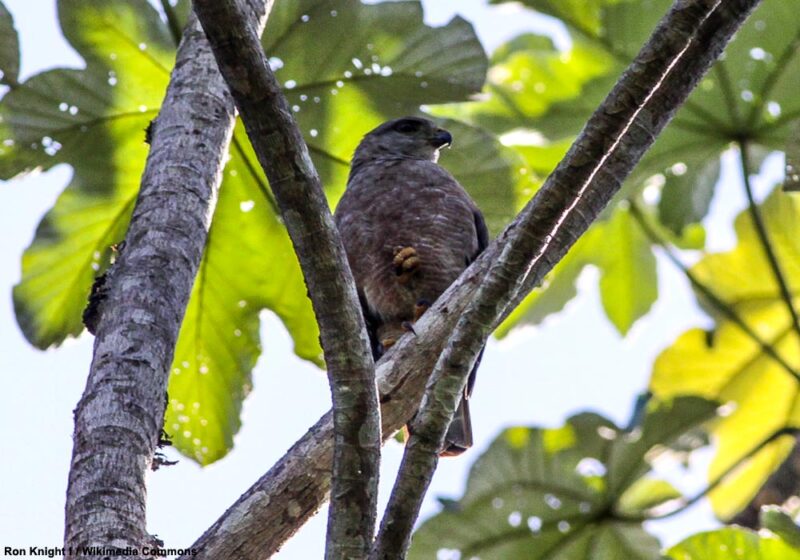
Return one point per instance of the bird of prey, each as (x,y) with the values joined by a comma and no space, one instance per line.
(409,229)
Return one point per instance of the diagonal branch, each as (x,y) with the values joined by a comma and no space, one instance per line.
(139,309)
(642,102)
(284,157)
(691,35)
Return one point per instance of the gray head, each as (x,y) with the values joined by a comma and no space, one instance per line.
(404,138)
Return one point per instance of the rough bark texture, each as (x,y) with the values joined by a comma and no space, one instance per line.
(647,95)
(694,33)
(119,417)
(284,157)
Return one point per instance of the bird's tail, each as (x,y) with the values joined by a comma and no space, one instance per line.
(459,435)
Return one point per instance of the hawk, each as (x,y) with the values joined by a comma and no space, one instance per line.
(409,229)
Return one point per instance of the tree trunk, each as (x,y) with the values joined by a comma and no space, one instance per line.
(141,305)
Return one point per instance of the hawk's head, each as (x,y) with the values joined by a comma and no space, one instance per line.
(408,137)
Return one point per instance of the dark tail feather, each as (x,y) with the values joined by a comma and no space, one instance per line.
(459,435)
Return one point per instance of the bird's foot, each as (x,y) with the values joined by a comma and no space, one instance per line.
(420,308)
(406,263)
(387,343)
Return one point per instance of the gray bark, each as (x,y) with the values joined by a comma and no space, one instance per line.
(119,418)
(645,98)
(284,157)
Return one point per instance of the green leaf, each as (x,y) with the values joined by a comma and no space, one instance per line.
(9,48)
(533,85)
(376,66)
(547,494)
(558,287)
(647,493)
(628,284)
(379,67)
(533,89)
(219,339)
(687,194)
(528,78)
(728,364)
(728,543)
(586,15)
(779,522)
(749,94)
(94,120)
(692,236)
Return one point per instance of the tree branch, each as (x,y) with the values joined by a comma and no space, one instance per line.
(685,44)
(614,139)
(284,156)
(119,418)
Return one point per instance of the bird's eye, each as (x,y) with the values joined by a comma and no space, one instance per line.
(405,127)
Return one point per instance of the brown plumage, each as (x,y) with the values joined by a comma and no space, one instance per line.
(409,230)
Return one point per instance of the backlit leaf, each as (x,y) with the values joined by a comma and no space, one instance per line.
(731,367)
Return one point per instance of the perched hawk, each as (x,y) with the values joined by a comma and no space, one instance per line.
(409,230)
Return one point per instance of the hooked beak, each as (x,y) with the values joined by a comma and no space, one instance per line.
(442,138)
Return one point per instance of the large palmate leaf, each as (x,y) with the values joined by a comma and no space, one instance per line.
(93,119)
(378,64)
(729,543)
(730,366)
(567,493)
(248,265)
(748,96)
(383,63)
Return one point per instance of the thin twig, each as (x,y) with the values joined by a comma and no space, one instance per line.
(297,189)
(172,20)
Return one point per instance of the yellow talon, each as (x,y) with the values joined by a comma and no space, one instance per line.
(405,261)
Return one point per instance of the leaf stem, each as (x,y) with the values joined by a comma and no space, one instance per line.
(712,298)
(727,93)
(763,236)
(172,21)
(257,179)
